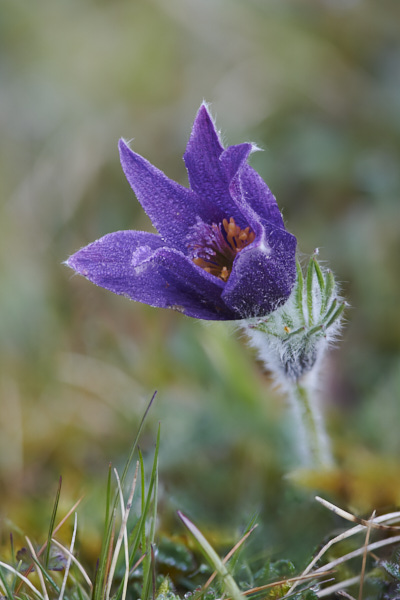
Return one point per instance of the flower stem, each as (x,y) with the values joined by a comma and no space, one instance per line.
(312,438)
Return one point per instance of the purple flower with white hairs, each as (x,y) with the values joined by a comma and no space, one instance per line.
(221,252)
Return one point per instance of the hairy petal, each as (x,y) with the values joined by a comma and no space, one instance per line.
(257,194)
(108,261)
(170,206)
(210,169)
(137,265)
(263,275)
(202,154)
(234,158)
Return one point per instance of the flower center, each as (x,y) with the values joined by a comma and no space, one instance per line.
(214,247)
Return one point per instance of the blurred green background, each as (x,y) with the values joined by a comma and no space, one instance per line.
(316,84)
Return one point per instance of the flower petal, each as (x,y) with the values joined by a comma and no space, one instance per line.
(171,207)
(209,174)
(255,201)
(234,160)
(258,195)
(138,265)
(202,154)
(211,168)
(234,157)
(263,275)
(107,261)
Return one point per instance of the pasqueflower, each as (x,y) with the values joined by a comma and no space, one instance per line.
(221,251)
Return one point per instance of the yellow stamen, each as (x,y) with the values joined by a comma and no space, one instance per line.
(228,241)
(224,274)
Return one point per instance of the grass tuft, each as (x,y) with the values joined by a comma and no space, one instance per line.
(129,566)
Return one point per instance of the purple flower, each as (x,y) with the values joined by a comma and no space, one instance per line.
(221,252)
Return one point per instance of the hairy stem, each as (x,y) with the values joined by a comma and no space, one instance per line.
(312,438)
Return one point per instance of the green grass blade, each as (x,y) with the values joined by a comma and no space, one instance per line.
(153,573)
(154,482)
(108,527)
(138,535)
(52,523)
(135,443)
(12,547)
(79,593)
(235,558)
(146,586)
(147,544)
(6,587)
(143,508)
(96,580)
(24,579)
(155,507)
(46,575)
(99,582)
(108,496)
(230,584)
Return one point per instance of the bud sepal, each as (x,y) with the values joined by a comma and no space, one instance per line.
(292,340)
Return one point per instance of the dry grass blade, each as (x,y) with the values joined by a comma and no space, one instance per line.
(137,563)
(69,560)
(42,549)
(39,572)
(350,517)
(364,560)
(338,587)
(267,586)
(74,560)
(358,552)
(229,555)
(394,516)
(345,595)
(23,579)
(61,523)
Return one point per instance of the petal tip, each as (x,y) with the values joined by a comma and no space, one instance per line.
(68,262)
(73,263)
(123,146)
(204,116)
(205,108)
(255,148)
